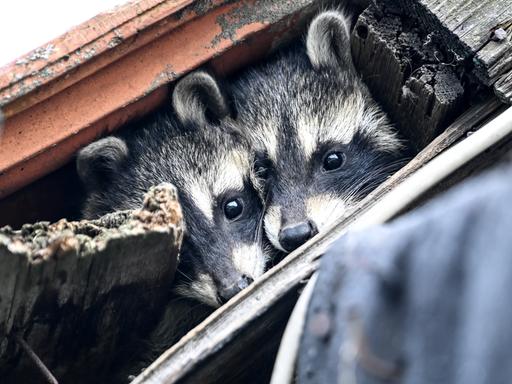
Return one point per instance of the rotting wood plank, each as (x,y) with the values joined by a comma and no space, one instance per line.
(467,28)
(74,290)
(46,70)
(408,74)
(207,349)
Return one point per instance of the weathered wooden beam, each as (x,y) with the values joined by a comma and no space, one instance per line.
(503,86)
(408,73)
(468,28)
(232,338)
(115,69)
(119,79)
(74,290)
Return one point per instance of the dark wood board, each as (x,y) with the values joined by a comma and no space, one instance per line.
(468,29)
(76,291)
(410,77)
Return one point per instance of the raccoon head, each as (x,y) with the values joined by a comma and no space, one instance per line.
(199,150)
(321,141)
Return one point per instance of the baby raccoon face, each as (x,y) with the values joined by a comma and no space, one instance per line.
(222,251)
(321,142)
(201,153)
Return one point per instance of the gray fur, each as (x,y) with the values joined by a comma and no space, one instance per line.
(209,164)
(327,41)
(305,102)
(195,95)
(99,160)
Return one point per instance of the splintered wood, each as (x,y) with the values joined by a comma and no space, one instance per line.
(477,30)
(424,60)
(73,290)
(408,73)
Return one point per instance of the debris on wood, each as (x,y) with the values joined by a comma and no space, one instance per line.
(242,337)
(74,291)
(499,34)
(477,31)
(408,73)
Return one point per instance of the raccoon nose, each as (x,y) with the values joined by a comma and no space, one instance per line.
(293,236)
(227,293)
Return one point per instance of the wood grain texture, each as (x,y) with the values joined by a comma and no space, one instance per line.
(67,59)
(466,27)
(76,290)
(408,74)
(503,88)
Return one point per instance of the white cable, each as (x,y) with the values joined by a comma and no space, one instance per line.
(288,349)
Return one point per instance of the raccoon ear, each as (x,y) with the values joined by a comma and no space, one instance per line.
(97,162)
(328,41)
(198,99)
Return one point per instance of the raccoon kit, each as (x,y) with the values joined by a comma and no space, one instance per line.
(321,142)
(198,149)
(308,140)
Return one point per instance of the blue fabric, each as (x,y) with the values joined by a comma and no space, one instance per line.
(426,298)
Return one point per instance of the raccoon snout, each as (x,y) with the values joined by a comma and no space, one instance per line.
(226,293)
(293,236)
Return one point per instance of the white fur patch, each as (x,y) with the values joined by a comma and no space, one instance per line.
(345,121)
(376,124)
(225,175)
(202,289)
(273,225)
(307,133)
(202,198)
(349,116)
(271,144)
(266,135)
(249,260)
(353,115)
(324,210)
(230,172)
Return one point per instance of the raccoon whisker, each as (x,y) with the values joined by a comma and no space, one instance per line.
(351,200)
(258,234)
(334,215)
(363,188)
(389,167)
(399,162)
(374,178)
(184,274)
(394,165)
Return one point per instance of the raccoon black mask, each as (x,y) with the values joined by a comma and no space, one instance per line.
(321,142)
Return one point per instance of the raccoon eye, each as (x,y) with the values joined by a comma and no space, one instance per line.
(233,208)
(333,160)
